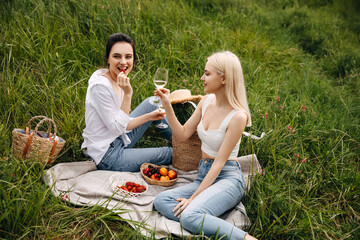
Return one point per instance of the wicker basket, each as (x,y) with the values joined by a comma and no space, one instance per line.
(156,182)
(187,155)
(43,146)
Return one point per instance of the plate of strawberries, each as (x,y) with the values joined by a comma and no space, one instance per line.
(128,185)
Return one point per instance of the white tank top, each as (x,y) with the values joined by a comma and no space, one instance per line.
(211,140)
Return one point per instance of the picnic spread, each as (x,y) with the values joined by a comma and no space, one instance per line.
(80,183)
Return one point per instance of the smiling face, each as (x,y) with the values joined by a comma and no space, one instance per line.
(120,57)
(212,81)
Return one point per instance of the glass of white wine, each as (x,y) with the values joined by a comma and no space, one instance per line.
(160,80)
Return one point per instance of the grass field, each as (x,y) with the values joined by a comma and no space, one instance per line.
(301,62)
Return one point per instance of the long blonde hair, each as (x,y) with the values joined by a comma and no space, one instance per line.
(228,65)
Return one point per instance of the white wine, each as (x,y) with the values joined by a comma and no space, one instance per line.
(159,83)
(161,107)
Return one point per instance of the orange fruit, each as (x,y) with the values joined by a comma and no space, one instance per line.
(163,171)
(155,176)
(164,178)
(172,174)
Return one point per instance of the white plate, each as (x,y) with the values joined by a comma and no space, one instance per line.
(119,179)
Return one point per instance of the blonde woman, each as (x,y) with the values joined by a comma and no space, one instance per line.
(219,120)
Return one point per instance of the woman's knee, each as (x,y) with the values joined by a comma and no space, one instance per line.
(192,220)
(158,201)
(164,203)
(161,201)
(147,103)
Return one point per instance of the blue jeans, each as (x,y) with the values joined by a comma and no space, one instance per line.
(202,214)
(129,159)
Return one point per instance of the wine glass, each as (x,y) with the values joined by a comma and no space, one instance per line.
(160,80)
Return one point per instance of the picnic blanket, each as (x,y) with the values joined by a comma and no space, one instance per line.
(82,184)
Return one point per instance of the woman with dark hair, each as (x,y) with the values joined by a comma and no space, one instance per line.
(111,128)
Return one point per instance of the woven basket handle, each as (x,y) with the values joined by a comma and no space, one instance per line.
(39,117)
(35,132)
(51,122)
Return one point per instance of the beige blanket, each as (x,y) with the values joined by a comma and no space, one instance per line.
(82,184)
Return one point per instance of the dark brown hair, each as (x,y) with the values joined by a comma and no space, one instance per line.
(118,37)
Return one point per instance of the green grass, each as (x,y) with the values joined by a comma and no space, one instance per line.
(306,52)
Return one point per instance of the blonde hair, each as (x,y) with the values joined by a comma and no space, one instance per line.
(228,65)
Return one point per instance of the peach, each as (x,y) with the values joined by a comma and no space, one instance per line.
(164,178)
(172,174)
(163,171)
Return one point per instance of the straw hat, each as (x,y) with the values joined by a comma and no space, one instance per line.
(183,95)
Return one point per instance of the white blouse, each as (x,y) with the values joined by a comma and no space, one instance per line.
(104,119)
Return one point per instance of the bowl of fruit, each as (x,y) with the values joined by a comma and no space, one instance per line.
(128,185)
(158,175)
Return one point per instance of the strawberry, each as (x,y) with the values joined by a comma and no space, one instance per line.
(139,189)
(130,184)
(145,171)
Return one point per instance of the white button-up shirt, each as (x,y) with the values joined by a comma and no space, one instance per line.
(104,119)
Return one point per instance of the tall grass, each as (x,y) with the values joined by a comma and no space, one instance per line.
(301,62)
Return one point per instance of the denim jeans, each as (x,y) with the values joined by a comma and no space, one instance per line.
(202,214)
(129,159)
